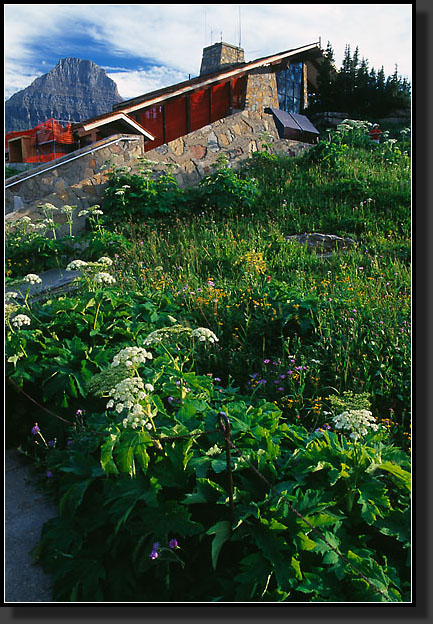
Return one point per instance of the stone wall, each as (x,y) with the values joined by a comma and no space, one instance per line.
(76,179)
(237,136)
(261,90)
(82,181)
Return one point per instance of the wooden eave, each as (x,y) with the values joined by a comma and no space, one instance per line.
(111,118)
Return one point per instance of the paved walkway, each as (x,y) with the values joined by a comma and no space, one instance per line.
(26,510)
(52,280)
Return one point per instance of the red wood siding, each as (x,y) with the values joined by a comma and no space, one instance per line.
(180,115)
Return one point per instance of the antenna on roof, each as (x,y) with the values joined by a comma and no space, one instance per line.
(239,25)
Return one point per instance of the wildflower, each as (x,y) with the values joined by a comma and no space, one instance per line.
(35,429)
(77,265)
(356,421)
(104,278)
(105,260)
(49,473)
(10,295)
(204,335)
(32,278)
(126,395)
(154,553)
(20,319)
(131,356)
(173,543)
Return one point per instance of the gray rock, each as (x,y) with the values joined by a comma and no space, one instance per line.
(322,242)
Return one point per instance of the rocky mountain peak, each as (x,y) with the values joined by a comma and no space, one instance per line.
(74,90)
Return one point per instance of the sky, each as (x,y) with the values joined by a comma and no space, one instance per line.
(144,47)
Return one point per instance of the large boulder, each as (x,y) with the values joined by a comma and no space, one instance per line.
(322,242)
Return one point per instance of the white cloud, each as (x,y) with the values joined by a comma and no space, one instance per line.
(133,83)
(173,35)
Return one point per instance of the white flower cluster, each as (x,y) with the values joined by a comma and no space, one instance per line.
(131,356)
(204,335)
(126,395)
(77,265)
(93,210)
(105,260)
(20,319)
(201,333)
(104,278)
(160,334)
(357,422)
(11,294)
(32,278)
(68,210)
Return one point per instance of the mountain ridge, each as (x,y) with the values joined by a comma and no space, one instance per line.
(74,90)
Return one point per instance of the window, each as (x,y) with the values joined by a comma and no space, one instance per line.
(289,86)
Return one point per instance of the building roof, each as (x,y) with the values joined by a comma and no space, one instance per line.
(294,121)
(116,117)
(309,52)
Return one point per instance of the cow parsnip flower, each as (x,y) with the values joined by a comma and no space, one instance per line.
(204,335)
(32,278)
(77,265)
(20,319)
(131,356)
(127,396)
(104,278)
(357,422)
(105,260)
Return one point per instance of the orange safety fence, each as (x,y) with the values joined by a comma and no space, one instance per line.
(44,134)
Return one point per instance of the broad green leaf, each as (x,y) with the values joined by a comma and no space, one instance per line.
(73,497)
(107,461)
(402,475)
(222,532)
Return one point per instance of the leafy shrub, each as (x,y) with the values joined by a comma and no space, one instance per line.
(137,197)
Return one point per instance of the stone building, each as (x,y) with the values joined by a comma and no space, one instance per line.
(232,107)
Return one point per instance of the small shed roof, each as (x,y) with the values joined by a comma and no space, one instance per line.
(119,119)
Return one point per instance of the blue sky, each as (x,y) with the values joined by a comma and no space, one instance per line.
(143,47)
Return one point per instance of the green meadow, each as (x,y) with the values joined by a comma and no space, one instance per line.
(222,413)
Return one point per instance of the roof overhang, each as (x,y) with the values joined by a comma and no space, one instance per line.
(193,85)
(293,126)
(112,118)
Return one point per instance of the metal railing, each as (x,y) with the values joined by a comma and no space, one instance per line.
(64,162)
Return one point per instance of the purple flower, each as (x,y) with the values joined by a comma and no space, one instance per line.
(173,543)
(217,379)
(51,443)
(35,429)
(280,389)
(79,412)
(266,361)
(154,553)
(49,473)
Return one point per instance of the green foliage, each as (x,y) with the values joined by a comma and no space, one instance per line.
(131,197)
(357,90)
(144,511)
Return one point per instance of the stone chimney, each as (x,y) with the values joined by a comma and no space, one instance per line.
(220,56)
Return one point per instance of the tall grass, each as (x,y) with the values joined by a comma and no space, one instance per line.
(264,296)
